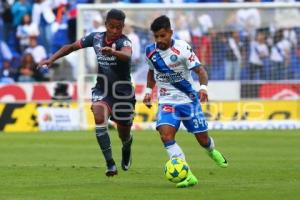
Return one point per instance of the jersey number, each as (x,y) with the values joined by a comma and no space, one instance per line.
(202,122)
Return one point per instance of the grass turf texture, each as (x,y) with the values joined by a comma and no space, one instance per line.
(69,165)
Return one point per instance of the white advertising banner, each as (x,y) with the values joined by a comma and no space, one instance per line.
(58,119)
(224,90)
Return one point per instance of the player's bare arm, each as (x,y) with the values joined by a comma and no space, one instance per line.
(65,50)
(203,79)
(124,54)
(150,86)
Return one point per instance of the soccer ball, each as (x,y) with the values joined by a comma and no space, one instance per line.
(176,170)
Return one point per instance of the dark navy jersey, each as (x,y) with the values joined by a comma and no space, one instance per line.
(117,72)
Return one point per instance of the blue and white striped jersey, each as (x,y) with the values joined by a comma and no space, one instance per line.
(172,72)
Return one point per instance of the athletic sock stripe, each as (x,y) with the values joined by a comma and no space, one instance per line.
(169,143)
(100,131)
(103,150)
(101,126)
(208,143)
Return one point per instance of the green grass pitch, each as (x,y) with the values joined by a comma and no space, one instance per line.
(69,165)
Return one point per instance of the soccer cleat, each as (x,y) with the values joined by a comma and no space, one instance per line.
(111,169)
(218,158)
(191,180)
(126,155)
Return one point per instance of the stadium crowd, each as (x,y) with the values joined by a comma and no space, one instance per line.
(245,49)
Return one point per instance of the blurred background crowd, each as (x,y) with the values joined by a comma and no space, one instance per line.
(245,45)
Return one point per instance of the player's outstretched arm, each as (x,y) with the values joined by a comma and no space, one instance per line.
(65,50)
(203,79)
(150,86)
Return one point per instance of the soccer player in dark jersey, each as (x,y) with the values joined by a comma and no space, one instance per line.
(113,96)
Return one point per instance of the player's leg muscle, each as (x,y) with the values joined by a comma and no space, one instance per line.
(205,141)
(124,132)
(101,112)
(167,133)
(202,138)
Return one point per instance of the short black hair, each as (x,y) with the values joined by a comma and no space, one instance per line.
(116,14)
(160,23)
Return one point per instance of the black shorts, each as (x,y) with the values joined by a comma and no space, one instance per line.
(121,109)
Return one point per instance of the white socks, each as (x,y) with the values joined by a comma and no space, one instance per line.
(174,150)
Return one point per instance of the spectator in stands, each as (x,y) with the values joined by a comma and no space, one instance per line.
(72,13)
(233,57)
(290,35)
(280,56)
(205,53)
(7,74)
(19,9)
(5,13)
(26,70)
(259,51)
(293,36)
(38,51)
(60,28)
(5,53)
(43,16)
(218,43)
(25,30)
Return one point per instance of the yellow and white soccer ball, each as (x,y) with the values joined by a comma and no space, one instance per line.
(176,170)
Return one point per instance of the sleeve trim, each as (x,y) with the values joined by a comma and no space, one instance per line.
(195,66)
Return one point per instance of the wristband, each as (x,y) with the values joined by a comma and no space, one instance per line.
(148,90)
(203,87)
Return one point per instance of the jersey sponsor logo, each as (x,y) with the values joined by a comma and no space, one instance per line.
(167,75)
(153,58)
(173,58)
(175,50)
(163,92)
(174,64)
(98,47)
(96,97)
(169,78)
(168,108)
(106,58)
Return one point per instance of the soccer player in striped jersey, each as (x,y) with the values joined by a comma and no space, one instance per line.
(170,63)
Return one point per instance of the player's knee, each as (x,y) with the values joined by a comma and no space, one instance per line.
(100,114)
(100,121)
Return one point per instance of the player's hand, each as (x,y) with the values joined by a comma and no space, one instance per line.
(147,100)
(44,63)
(107,51)
(203,96)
